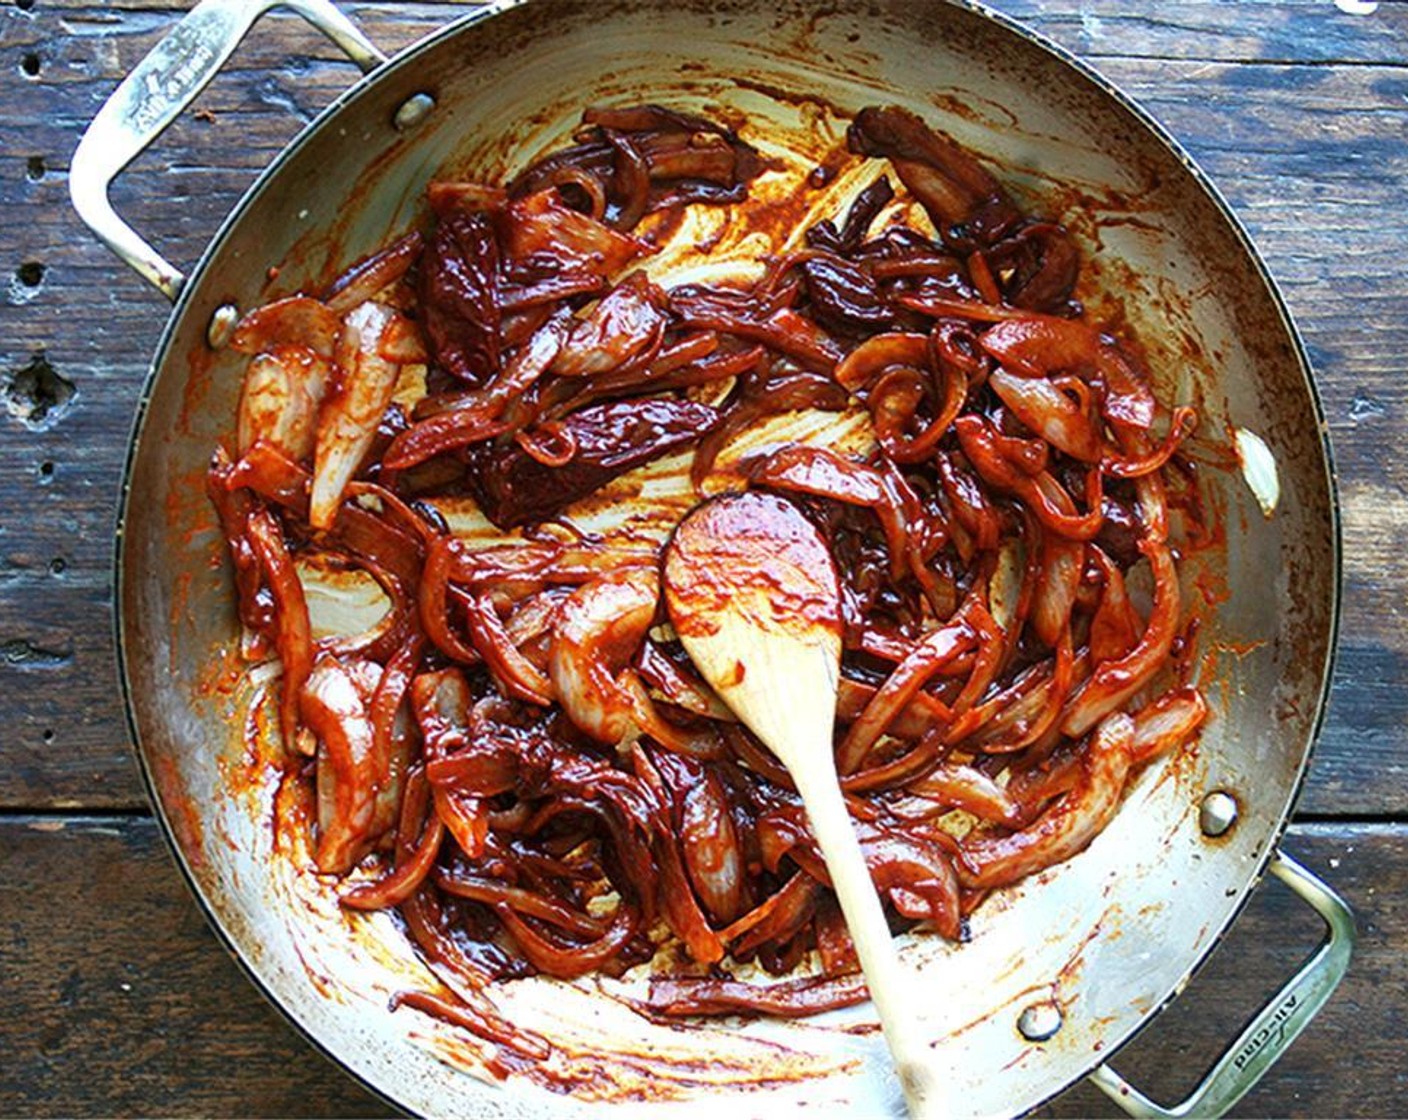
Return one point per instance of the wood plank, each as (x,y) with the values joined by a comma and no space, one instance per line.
(126,1004)
(1299,31)
(111,971)
(1303,31)
(1310,153)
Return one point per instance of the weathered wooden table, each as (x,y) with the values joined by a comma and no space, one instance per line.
(118,999)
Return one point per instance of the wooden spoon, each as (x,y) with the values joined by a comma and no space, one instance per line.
(754,597)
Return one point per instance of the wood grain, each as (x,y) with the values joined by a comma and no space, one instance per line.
(1300,32)
(136,1009)
(124,1004)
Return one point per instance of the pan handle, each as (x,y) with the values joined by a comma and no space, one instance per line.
(1275,1026)
(156,92)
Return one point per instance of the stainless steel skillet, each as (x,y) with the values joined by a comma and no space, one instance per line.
(1062,969)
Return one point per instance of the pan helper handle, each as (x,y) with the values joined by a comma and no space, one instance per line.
(1275,1026)
(157,91)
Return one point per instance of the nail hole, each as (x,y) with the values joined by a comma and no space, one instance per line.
(30,274)
(46,470)
(29,63)
(25,5)
(48,734)
(36,169)
(58,565)
(38,395)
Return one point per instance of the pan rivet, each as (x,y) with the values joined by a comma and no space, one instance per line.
(1218,813)
(222,325)
(413,110)
(1039,1022)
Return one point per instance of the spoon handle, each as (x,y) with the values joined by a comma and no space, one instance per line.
(890,986)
